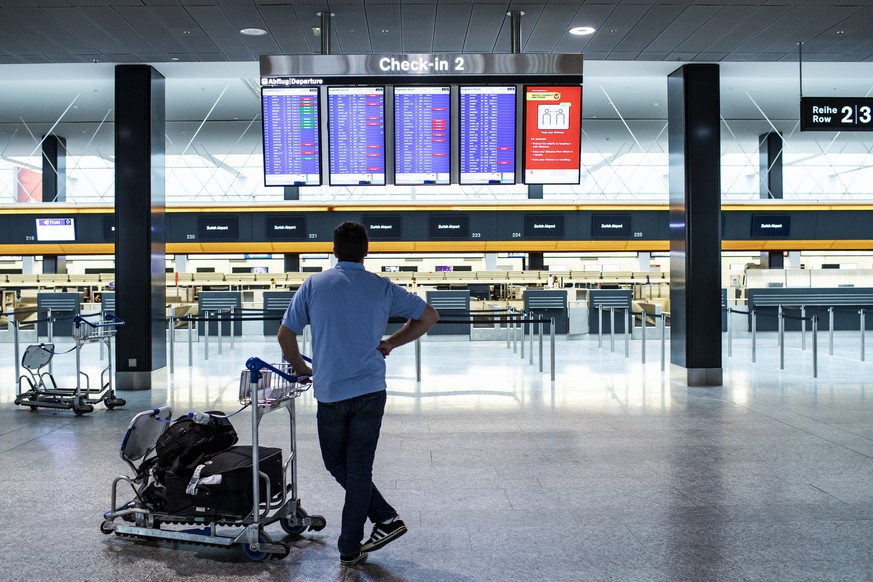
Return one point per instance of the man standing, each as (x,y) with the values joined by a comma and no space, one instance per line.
(348,309)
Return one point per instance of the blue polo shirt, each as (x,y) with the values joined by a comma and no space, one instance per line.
(348,308)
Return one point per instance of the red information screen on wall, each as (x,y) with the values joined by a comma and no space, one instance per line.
(553,126)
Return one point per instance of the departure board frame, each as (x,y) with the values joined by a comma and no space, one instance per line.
(392,71)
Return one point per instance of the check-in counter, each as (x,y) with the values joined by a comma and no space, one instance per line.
(450,305)
(217,304)
(64,307)
(598,319)
(846,301)
(275,305)
(548,303)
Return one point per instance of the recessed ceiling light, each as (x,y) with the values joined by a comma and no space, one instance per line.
(252,31)
(174,58)
(841,32)
(582,30)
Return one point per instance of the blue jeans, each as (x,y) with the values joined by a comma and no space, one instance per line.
(348,432)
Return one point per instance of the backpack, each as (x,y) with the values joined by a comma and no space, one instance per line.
(188,441)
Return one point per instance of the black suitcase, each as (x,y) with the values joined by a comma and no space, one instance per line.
(233,496)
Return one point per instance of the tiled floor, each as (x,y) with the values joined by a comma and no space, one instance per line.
(610,472)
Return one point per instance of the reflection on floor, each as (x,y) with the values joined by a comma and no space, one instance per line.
(609,472)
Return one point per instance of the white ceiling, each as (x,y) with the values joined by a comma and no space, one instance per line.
(51,81)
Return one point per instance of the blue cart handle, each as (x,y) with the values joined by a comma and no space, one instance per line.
(108,321)
(255,365)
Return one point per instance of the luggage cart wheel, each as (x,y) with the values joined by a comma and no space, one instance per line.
(80,407)
(111,402)
(318,523)
(295,530)
(258,556)
(107,527)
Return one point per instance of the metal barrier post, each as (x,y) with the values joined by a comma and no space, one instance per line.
(514,321)
(522,317)
(12,324)
(781,327)
(803,328)
(730,333)
(599,326)
(220,322)
(232,312)
(418,359)
(540,334)
(531,335)
(508,330)
(863,329)
(754,332)
(643,345)
(830,331)
(51,334)
(612,330)
(778,319)
(552,345)
(206,336)
(627,333)
(190,340)
(815,346)
(663,341)
(172,336)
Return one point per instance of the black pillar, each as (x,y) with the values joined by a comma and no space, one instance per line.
(292,262)
(535,262)
(770,170)
(292,192)
(54,264)
(54,169)
(535,192)
(695,238)
(770,165)
(140,282)
(773,260)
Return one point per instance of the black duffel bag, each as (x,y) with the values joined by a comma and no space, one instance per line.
(222,485)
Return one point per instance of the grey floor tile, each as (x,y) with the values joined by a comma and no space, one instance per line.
(611,472)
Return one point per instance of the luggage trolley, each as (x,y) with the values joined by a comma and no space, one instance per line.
(42,390)
(264,387)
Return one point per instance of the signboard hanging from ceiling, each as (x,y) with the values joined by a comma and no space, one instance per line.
(836,114)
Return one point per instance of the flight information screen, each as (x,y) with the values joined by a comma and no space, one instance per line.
(421,135)
(291,136)
(487,135)
(356,125)
(552,135)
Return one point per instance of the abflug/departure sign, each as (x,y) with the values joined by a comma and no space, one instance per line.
(836,114)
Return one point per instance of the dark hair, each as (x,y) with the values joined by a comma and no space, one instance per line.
(350,242)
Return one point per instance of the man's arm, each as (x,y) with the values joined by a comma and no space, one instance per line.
(291,350)
(411,331)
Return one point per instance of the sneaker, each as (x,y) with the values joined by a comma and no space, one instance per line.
(383,533)
(353,559)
